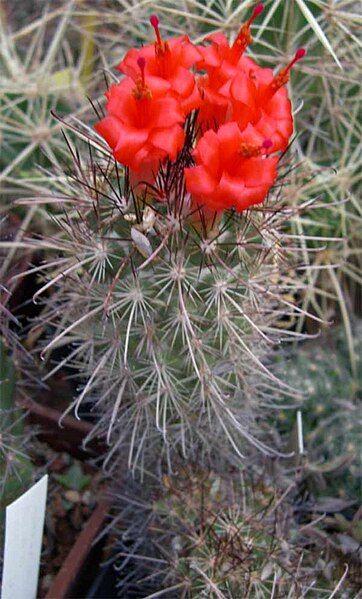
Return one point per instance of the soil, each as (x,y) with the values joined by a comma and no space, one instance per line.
(73,492)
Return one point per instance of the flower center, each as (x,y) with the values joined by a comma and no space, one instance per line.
(249,150)
(141,91)
(244,37)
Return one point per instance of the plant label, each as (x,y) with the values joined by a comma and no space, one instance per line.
(23,539)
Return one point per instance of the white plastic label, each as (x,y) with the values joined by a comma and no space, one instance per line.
(23,540)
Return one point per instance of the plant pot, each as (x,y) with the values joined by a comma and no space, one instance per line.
(82,563)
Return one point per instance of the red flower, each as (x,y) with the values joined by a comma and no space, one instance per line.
(252,95)
(222,62)
(272,107)
(170,61)
(237,89)
(233,100)
(143,125)
(214,108)
(231,169)
(220,57)
(244,115)
(272,118)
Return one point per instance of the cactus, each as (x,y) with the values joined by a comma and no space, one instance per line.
(170,313)
(202,534)
(170,310)
(170,326)
(330,412)
(326,93)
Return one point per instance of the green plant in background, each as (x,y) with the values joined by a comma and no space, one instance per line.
(329,144)
(330,471)
(16,469)
(73,478)
(333,276)
(45,68)
(330,413)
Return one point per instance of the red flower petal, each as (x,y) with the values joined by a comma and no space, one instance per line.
(110,129)
(149,155)
(251,135)
(199,181)
(121,102)
(243,90)
(129,143)
(169,139)
(230,189)
(210,58)
(229,136)
(278,132)
(208,152)
(165,112)
(186,51)
(192,101)
(279,106)
(218,39)
(251,196)
(158,86)
(258,171)
(129,65)
(183,81)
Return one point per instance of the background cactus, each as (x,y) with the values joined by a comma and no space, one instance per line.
(330,413)
(202,534)
(16,468)
(46,66)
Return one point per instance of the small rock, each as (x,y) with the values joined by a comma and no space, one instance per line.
(72,496)
(57,465)
(47,581)
(86,498)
